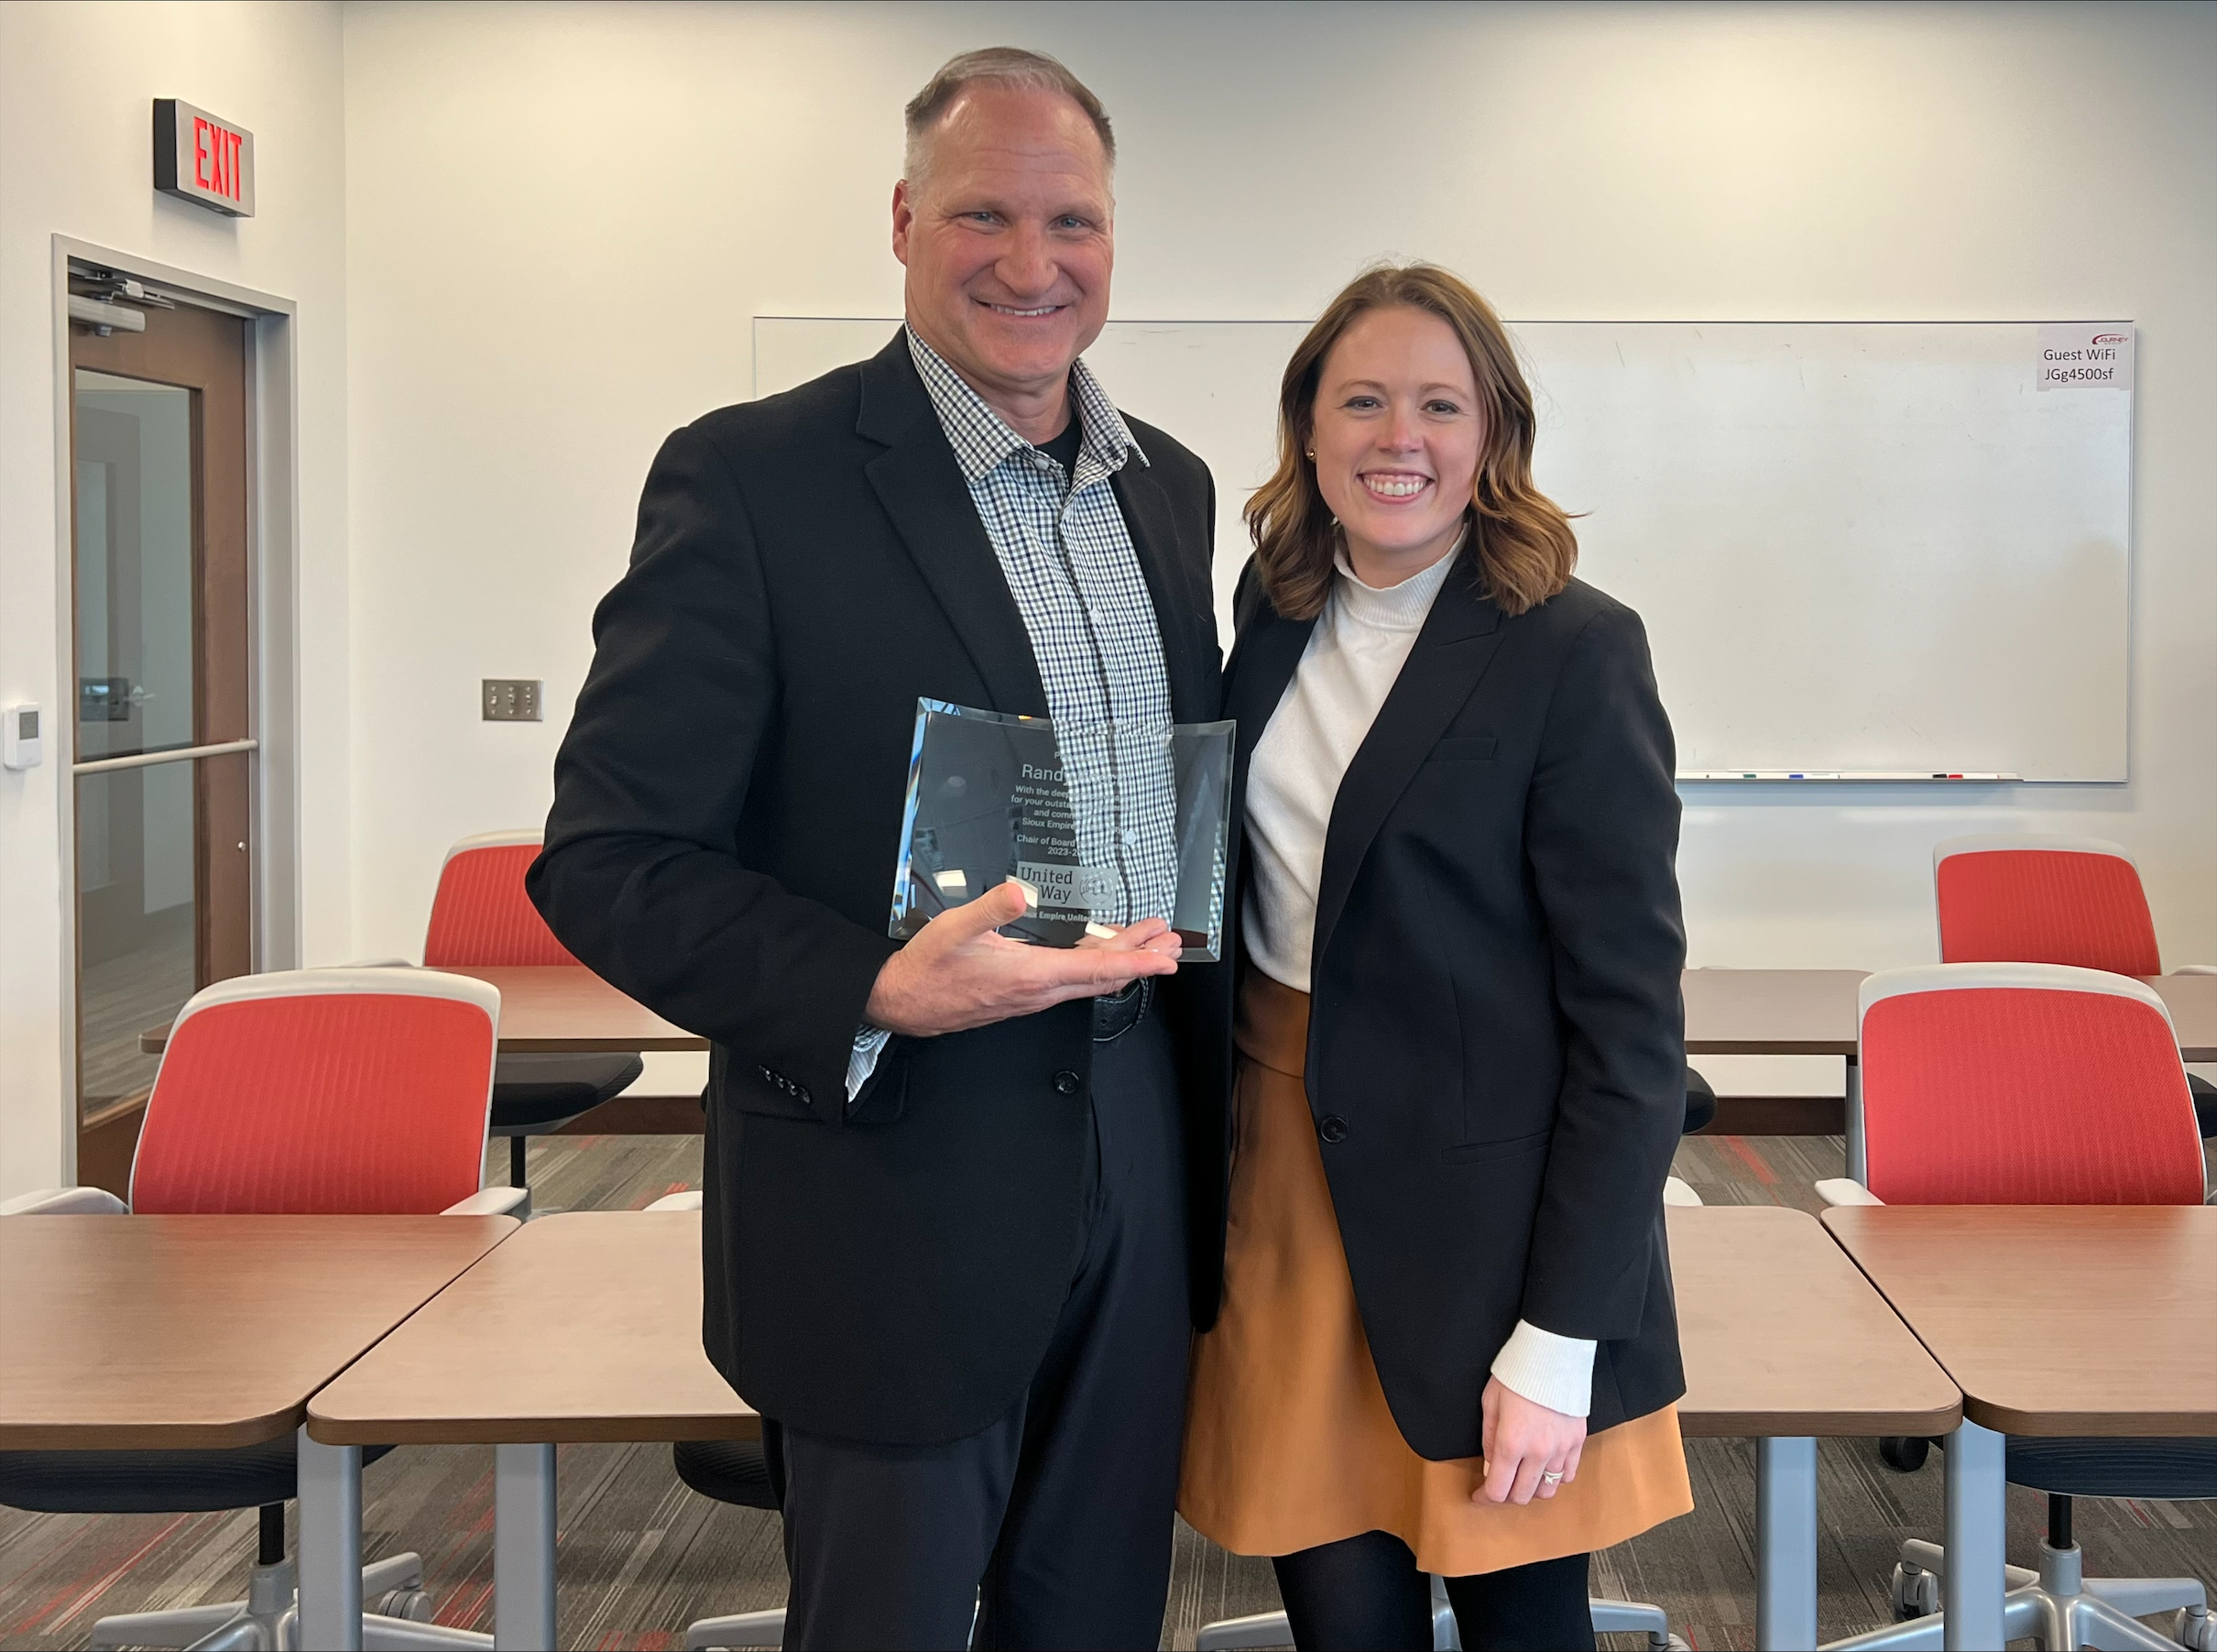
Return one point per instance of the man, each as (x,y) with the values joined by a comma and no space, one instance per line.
(945,1220)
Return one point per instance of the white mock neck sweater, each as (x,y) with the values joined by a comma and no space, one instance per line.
(1356,651)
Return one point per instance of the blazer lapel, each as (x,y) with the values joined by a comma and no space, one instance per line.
(929,503)
(1264,656)
(1189,661)
(1460,639)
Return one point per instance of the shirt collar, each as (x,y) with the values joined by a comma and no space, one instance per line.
(981,438)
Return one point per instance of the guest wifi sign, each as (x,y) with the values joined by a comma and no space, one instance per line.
(2086,356)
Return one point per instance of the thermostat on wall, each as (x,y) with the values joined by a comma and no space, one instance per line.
(19,743)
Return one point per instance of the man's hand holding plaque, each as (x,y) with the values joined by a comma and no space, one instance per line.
(958,972)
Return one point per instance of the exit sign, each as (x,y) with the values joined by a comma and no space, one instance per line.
(201,158)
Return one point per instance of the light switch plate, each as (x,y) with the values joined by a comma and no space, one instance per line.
(510,700)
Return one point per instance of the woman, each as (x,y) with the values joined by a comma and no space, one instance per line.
(1461,1063)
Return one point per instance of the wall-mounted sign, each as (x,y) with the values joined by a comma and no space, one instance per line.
(202,158)
(2086,356)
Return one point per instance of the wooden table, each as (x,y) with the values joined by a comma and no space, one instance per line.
(1784,1342)
(173,1332)
(584,1326)
(1959,1275)
(550,1008)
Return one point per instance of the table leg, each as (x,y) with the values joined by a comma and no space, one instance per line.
(523,1547)
(1971,1592)
(1857,1165)
(1786,1544)
(330,1559)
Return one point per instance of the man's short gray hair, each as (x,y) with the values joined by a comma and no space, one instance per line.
(1010,66)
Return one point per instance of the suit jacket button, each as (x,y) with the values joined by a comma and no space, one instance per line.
(801,1091)
(1332,1127)
(1068,1082)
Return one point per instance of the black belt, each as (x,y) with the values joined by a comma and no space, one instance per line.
(1119,1013)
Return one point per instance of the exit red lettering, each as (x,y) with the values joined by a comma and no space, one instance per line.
(216,157)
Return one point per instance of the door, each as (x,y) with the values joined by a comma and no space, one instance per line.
(163,756)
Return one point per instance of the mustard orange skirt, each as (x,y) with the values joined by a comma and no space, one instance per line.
(1288,1439)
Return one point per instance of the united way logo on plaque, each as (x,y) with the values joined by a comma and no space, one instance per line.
(1111,822)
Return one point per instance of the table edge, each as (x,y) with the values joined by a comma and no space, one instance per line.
(152,1437)
(1823,1425)
(2104,1425)
(530,1430)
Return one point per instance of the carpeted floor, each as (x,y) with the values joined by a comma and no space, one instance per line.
(642,1556)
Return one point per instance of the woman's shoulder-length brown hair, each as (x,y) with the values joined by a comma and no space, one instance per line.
(1524,549)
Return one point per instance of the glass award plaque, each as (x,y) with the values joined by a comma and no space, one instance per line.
(1111,822)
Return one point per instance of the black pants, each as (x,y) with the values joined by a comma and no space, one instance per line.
(1054,1524)
(1366,1592)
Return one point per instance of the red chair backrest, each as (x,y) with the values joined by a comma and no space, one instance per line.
(481,916)
(2024,1084)
(322,1092)
(2025,901)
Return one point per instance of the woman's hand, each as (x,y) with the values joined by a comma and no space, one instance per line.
(1524,1444)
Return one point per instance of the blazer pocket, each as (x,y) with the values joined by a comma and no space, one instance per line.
(1463,749)
(885,1094)
(1511,1147)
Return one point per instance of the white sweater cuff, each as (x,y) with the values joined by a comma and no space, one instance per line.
(1550,1371)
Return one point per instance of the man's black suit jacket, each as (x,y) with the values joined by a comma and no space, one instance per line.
(722,845)
(1496,1045)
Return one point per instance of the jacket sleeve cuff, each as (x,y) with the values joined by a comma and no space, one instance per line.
(1550,1371)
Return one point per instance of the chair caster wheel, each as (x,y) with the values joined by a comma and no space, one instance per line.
(1904,1453)
(1917,1593)
(2195,1629)
(414,1604)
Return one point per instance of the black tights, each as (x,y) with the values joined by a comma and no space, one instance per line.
(1366,1592)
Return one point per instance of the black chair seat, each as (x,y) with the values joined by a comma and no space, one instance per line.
(530,1091)
(2205,1104)
(154,1482)
(730,1471)
(2182,1467)
(1700,1103)
(2115,1468)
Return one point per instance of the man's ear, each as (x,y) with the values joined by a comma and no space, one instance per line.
(905,218)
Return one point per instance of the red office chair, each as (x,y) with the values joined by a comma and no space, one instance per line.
(2036,1084)
(311,1092)
(482,918)
(2046,899)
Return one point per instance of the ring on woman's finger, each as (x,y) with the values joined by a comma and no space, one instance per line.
(1552,1476)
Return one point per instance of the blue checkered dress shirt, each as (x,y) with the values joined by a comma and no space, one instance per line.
(1068,558)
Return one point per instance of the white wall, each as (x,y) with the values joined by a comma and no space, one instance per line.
(527,241)
(76,82)
(614,191)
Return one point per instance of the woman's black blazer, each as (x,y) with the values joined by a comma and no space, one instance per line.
(1496,1048)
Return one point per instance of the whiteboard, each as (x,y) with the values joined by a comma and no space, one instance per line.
(1861,549)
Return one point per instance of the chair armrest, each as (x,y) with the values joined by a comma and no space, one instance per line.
(1675,1192)
(2196,969)
(494,1201)
(1837,1190)
(65,1201)
(372,963)
(688,1200)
